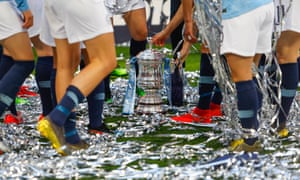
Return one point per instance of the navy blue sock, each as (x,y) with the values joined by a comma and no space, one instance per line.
(70,100)
(247,102)
(298,61)
(11,82)
(107,88)
(82,63)
(261,67)
(261,64)
(43,70)
(177,94)
(5,64)
(288,88)
(52,82)
(206,82)
(13,109)
(95,105)
(71,134)
(135,48)
(259,94)
(274,80)
(217,96)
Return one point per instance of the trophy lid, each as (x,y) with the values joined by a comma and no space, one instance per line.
(150,54)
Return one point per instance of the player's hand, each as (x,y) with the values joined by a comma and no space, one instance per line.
(27,19)
(189,32)
(183,54)
(160,38)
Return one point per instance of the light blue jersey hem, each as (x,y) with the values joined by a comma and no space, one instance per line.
(21,4)
(234,8)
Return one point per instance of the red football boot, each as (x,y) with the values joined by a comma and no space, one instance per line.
(215,109)
(196,116)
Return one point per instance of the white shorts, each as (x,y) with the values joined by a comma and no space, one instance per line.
(45,35)
(133,5)
(37,9)
(249,33)
(292,19)
(117,7)
(10,20)
(77,20)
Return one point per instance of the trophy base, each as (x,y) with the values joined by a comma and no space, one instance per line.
(150,103)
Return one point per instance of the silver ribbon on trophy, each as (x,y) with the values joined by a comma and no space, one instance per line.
(129,99)
(167,79)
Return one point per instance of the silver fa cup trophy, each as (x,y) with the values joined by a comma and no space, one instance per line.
(150,79)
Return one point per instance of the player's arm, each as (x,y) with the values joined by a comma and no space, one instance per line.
(27,15)
(160,37)
(188,20)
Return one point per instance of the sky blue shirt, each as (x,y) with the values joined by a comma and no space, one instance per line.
(234,8)
(21,4)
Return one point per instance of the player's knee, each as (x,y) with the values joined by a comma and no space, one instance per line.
(140,35)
